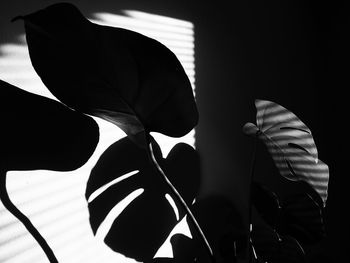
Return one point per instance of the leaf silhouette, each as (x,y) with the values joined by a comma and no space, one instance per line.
(144,224)
(124,77)
(224,228)
(298,215)
(39,133)
(290,144)
(116,74)
(303,219)
(267,204)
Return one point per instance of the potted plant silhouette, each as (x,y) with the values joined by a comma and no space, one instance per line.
(139,85)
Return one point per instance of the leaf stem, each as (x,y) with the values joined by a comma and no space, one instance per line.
(4,197)
(181,201)
(252,171)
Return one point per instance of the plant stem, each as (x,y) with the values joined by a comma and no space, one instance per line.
(181,201)
(4,197)
(252,171)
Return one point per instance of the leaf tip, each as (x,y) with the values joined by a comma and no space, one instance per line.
(250,129)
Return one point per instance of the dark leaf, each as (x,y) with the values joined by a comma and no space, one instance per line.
(184,249)
(266,203)
(223,227)
(119,75)
(298,215)
(39,133)
(145,223)
(266,242)
(303,219)
(273,248)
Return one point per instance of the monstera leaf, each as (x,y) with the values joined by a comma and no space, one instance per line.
(123,171)
(290,144)
(39,133)
(116,74)
(298,215)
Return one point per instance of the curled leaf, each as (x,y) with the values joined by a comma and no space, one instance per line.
(250,129)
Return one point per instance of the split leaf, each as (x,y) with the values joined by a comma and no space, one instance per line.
(290,144)
(146,221)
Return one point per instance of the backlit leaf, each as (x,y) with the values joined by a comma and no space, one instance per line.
(146,221)
(40,133)
(122,76)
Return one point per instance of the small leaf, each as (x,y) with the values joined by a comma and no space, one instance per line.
(250,129)
(124,77)
(144,224)
(40,133)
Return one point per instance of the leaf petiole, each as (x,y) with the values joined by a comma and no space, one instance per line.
(181,201)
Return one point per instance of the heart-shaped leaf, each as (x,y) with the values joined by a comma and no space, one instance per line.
(116,74)
(40,133)
(124,169)
(290,144)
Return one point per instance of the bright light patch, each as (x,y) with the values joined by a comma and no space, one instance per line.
(166,251)
(106,186)
(173,205)
(55,201)
(107,223)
